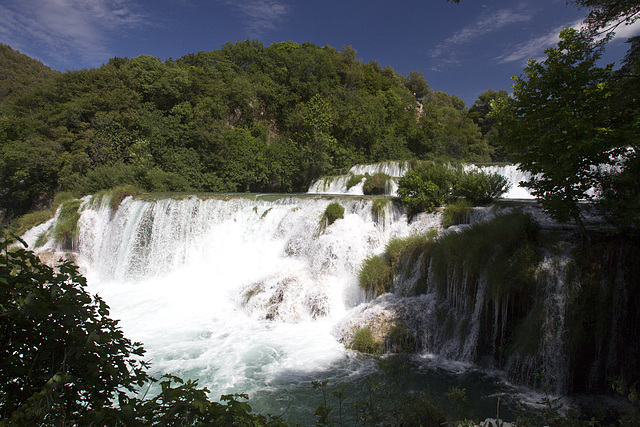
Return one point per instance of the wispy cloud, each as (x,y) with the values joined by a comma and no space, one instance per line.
(66,31)
(447,52)
(535,47)
(261,15)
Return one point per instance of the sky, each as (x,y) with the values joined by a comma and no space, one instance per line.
(461,49)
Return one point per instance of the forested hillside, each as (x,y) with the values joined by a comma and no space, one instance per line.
(19,73)
(246,117)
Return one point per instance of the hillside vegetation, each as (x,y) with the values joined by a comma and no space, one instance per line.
(246,117)
(20,73)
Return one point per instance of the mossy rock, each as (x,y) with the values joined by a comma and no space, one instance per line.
(376,184)
(332,213)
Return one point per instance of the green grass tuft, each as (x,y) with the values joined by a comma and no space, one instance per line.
(66,227)
(364,342)
(354,180)
(458,212)
(332,213)
(30,220)
(378,208)
(120,193)
(375,276)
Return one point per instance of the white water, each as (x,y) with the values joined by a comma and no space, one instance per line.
(238,293)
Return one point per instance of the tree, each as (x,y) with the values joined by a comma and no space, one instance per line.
(558,123)
(479,111)
(606,16)
(62,359)
(619,190)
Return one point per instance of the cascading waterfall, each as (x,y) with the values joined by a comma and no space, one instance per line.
(249,294)
(396,170)
(238,292)
(338,184)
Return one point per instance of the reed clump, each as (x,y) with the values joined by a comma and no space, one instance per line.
(66,228)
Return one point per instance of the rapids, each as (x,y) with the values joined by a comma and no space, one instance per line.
(255,294)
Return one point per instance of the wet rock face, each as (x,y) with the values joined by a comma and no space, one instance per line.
(53,257)
(284,299)
(389,324)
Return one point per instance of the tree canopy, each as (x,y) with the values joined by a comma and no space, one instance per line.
(559,124)
(245,117)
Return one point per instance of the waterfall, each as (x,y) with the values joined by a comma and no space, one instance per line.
(396,170)
(238,292)
(250,293)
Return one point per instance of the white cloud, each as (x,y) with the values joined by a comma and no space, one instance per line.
(447,51)
(66,31)
(535,47)
(261,15)
(626,31)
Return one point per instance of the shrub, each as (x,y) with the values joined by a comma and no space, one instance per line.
(442,175)
(106,177)
(457,212)
(417,194)
(480,188)
(158,180)
(332,213)
(364,342)
(375,276)
(354,180)
(376,184)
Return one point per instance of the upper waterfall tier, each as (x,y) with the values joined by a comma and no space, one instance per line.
(395,170)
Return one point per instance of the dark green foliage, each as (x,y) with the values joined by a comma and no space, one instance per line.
(19,73)
(426,187)
(364,342)
(456,212)
(432,184)
(375,276)
(62,359)
(503,248)
(332,213)
(559,123)
(620,202)
(603,307)
(246,117)
(480,188)
(106,177)
(417,194)
(376,184)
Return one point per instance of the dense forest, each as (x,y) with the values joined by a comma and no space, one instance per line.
(245,117)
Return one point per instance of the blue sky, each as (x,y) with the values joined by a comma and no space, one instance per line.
(462,49)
